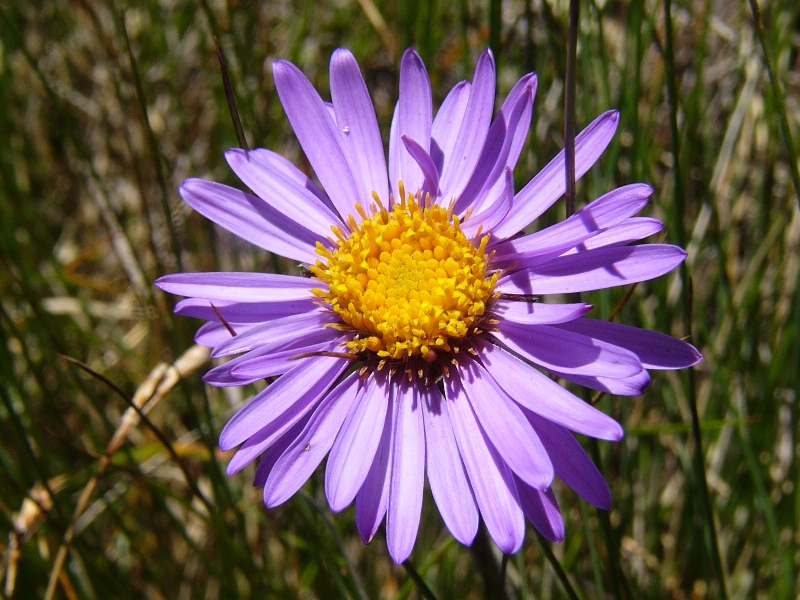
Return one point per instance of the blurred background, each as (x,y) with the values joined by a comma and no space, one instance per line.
(106,107)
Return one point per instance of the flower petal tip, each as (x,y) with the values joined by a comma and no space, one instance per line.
(235,154)
(269,499)
(335,503)
(411,56)
(610,431)
(695,356)
(208,377)
(603,503)
(233,468)
(281,65)
(189,184)
(225,442)
(366,536)
(553,533)
(466,540)
(510,545)
(399,555)
(341,54)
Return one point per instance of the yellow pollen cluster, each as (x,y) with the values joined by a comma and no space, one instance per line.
(406,280)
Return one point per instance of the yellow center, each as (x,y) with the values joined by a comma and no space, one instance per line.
(406,280)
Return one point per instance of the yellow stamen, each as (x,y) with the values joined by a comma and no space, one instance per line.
(406,280)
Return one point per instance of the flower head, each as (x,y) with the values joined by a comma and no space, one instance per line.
(417,344)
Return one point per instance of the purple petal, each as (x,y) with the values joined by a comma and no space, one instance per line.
(506,427)
(303,456)
(447,124)
(355,117)
(355,446)
(214,334)
(242,312)
(550,183)
(285,166)
(275,451)
(281,192)
(537,392)
(414,116)
(538,313)
(407,473)
(395,149)
(528,81)
(555,348)
(276,363)
(425,163)
(331,111)
(310,378)
(632,230)
(496,149)
(238,287)
(474,129)
(373,496)
(655,350)
(571,463)
(607,211)
(251,219)
(274,334)
(446,474)
(624,386)
(273,431)
(593,270)
(542,510)
(259,363)
(494,212)
(318,136)
(491,480)
(270,434)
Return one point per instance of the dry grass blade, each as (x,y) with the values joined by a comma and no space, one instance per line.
(379,23)
(157,384)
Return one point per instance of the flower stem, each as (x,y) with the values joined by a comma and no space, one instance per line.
(495,27)
(780,100)
(672,99)
(699,458)
(422,586)
(503,569)
(618,580)
(700,462)
(486,563)
(153,144)
(569,104)
(560,573)
(226,84)
(353,572)
(615,567)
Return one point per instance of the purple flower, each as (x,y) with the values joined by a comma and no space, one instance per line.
(416,345)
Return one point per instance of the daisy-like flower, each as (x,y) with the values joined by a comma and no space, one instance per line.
(416,344)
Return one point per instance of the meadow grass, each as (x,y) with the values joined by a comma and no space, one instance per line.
(111,485)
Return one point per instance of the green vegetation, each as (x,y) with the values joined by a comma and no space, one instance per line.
(105,505)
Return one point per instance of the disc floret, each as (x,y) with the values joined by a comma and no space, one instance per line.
(406,280)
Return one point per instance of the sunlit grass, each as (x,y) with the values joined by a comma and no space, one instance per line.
(89,208)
